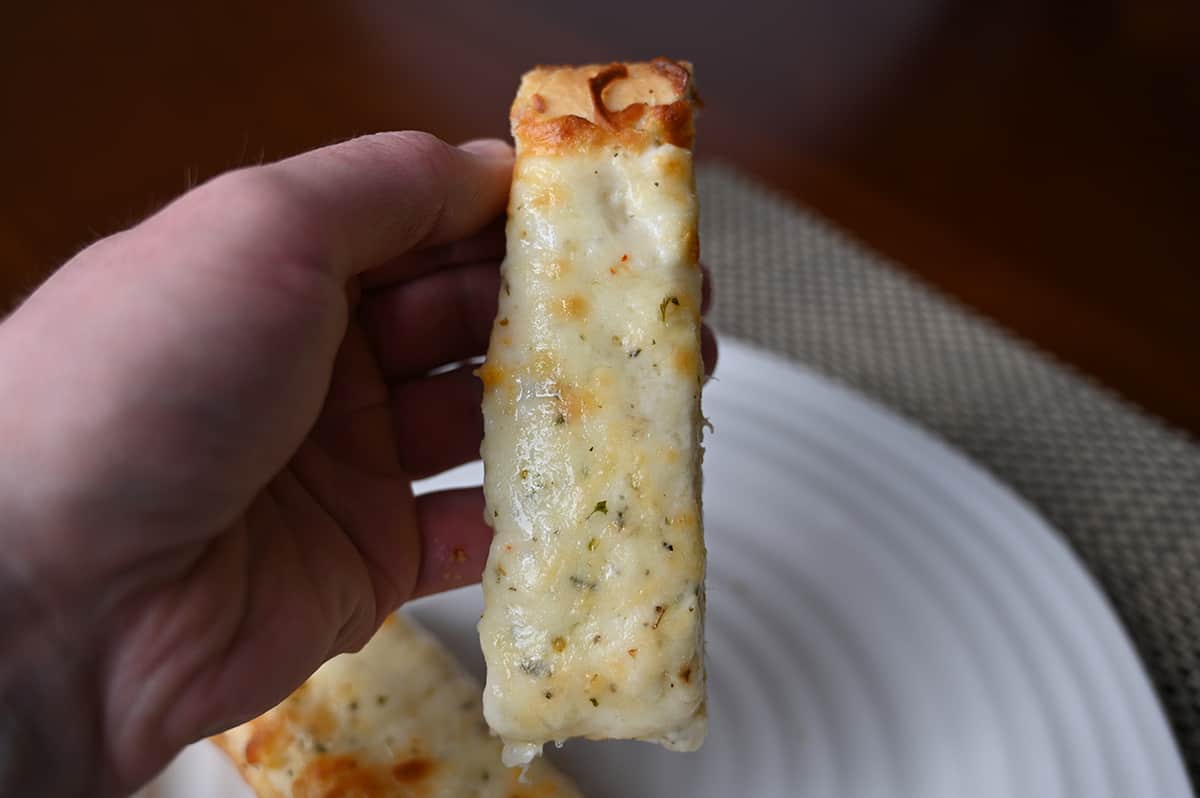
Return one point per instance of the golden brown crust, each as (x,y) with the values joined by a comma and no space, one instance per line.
(396,720)
(632,105)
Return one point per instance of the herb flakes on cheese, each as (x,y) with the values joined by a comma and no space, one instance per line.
(398,719)
(594,590)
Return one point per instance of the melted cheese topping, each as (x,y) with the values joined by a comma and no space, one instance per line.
(398,719)
(594,587)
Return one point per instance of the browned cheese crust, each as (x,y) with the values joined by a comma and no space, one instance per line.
(560,109)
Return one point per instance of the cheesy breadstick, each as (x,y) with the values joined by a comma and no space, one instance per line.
(594,588)
(398,719)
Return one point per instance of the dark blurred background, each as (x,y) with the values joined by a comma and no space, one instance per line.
(1038,160)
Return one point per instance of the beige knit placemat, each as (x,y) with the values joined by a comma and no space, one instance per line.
(1123,489)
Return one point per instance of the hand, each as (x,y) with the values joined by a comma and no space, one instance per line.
(211,423)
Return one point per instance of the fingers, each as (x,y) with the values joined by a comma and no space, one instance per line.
(450,314)
(437,422)
(485,246)
(376,197)
(454,540)
(438,426)
(352,206)
(708,349)
(441,318)
(706,292)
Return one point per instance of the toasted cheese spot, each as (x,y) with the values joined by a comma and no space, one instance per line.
(560,134)
(681,519)
(673,168)
(691,246)
(576,403)
(413,771)
(554,195)
(555,269)
(686,362)
(345,692)
(492,375)
(604,379)
(268,742)
(539,103)
(337,777)
(573,307)
(544,364)
(320,722)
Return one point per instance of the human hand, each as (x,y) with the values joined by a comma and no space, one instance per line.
(211,423)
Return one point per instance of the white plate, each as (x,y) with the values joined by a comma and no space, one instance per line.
(884,620)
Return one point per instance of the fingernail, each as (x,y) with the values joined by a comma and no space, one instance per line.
(494,149)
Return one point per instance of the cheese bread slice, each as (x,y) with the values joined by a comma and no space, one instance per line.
(594,588)
(397,719)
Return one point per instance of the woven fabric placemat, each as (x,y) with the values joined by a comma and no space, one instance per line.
(1122,487)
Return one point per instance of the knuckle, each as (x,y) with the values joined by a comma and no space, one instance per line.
(417,149)
(267,216)
(357,631)
(257,195)
(415,141)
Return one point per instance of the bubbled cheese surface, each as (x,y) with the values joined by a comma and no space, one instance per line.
(594,588)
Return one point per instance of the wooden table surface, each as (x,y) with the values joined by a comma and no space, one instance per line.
(1038,160)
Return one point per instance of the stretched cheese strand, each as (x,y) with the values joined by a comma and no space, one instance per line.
(594,589)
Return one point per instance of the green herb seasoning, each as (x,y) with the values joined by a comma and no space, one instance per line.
(662,307)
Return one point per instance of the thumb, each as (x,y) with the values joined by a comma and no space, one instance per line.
(351,206)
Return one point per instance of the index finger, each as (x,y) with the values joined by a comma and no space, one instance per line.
(375,197)
(349,207)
